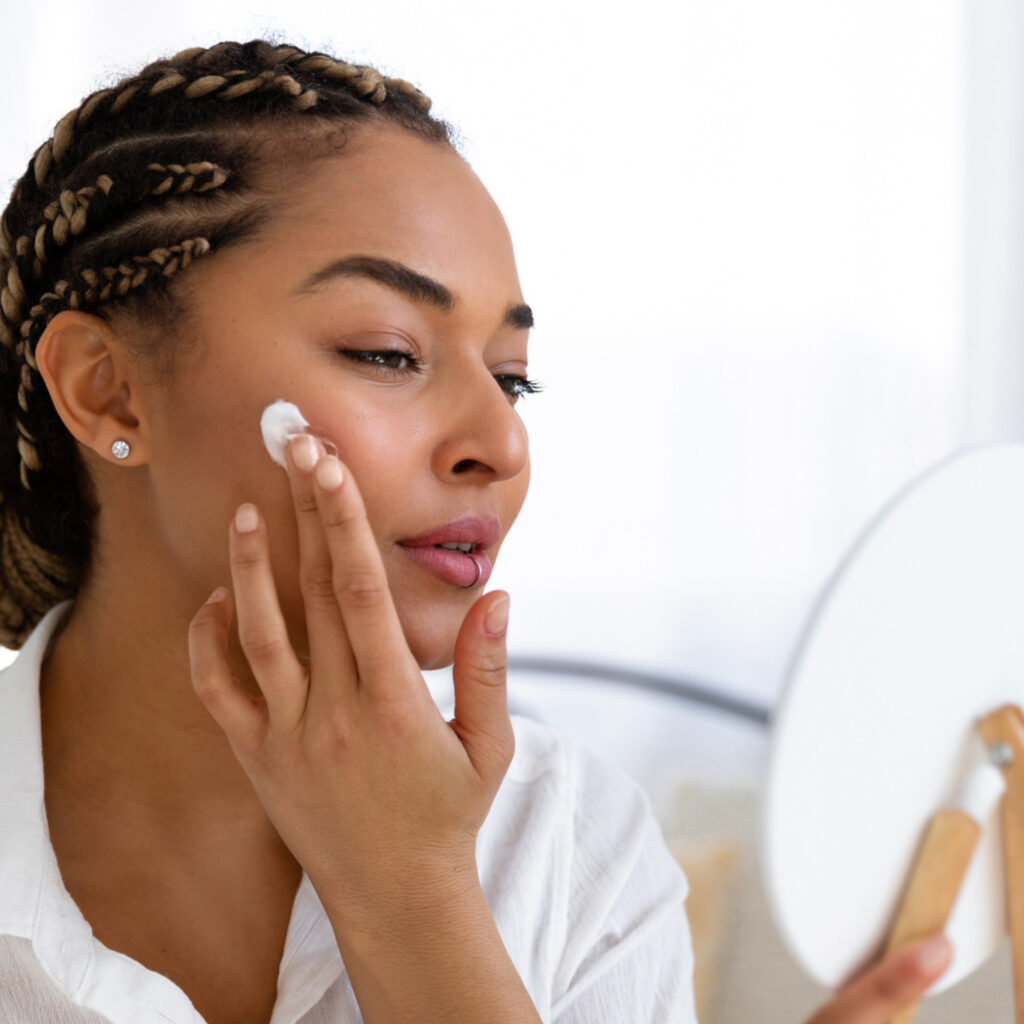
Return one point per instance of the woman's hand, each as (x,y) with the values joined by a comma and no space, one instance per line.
(894,984)
(376,796)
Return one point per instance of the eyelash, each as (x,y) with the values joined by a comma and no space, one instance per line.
(514,385)
(377,359)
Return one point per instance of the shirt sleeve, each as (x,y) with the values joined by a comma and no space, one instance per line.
(627,951)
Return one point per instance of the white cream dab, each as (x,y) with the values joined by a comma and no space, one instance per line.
(280,422)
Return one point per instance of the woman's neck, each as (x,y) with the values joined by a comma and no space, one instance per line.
(123,729)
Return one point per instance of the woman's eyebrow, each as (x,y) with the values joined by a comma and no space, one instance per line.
(415,285)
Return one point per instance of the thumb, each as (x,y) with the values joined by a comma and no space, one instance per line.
(481,702)
(895,984)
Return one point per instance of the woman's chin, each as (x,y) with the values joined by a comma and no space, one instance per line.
(431,637)
(430,654)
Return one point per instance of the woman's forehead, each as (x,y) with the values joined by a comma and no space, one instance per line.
(392,180)
(390,195)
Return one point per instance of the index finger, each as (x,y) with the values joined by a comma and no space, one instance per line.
(360,582)
(325,629)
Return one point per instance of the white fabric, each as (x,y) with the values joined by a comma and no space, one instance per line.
(587,899)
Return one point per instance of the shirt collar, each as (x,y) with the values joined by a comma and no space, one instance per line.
(25,850)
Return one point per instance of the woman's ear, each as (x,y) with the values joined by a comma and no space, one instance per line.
(87,372)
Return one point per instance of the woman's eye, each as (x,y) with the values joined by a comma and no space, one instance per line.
(517,387)
(386,359)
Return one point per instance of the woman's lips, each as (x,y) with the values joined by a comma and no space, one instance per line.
(452,566)
(460,569)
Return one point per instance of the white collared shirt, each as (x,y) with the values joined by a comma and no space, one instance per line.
(587,899)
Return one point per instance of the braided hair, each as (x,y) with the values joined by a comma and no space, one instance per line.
(138,182)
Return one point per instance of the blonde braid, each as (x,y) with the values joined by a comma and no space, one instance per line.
(110,282)
(66,216)
(194,177)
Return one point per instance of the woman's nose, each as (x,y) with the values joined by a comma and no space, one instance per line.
(482,434)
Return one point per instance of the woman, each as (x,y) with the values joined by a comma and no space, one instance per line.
(229,227)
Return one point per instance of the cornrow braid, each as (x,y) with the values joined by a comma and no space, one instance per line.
(67,215)
(138,182)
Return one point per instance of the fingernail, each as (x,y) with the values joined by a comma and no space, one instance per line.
(496,619)
(217,596)
(304,452)
(328,474)
(246,518)
(933,955)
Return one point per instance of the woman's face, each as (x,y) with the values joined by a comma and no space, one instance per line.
(383,300)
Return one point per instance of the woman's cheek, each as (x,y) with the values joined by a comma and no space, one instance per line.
(382,458)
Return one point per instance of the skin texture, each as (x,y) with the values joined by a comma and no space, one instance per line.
(289,709)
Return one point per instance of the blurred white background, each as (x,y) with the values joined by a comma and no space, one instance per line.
(772,249)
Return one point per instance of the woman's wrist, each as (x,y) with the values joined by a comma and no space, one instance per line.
(407,895)
(430,952)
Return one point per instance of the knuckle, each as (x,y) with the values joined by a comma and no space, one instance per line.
(246,557)
(892,987)
(399,716)
(306,503)
(493,666)
(397,722)
(318,586)
(204,621)
(332,734)
(206,686)
(261,644)
(340,516)
(211,688)
(360,589)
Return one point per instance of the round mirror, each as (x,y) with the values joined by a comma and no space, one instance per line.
(918,634)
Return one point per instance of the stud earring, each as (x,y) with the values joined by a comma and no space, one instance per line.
(120,449)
